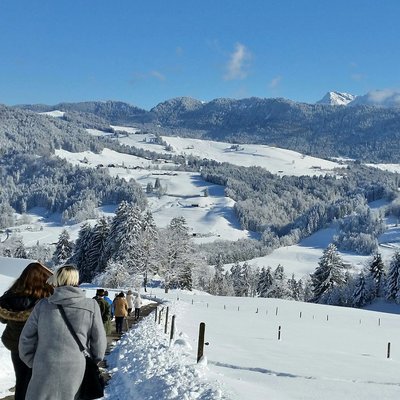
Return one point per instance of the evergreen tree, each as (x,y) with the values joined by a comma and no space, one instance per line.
(279,288)
(116,232)
(64,248)
(94,264)
(393,277)
(148,243)
(235,275)
(293,288)
(360,296)
(149,188)
(129,250)
(377,272)
(329,273)
(82,243)
(157,184)
(20,251)
(217,283)
(254,277)
(177,260)
(264,282)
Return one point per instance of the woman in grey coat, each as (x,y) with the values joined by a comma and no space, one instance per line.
(47,346)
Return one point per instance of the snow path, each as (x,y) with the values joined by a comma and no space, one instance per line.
(145,365)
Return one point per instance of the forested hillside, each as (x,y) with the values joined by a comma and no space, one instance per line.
(31,176)
(362,132)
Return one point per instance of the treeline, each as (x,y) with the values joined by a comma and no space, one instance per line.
(333,284)
(30,133)
(284,210)
(128,249)
(31,181)
(245,280)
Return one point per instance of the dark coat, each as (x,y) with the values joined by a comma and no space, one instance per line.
(105,308)
(14,311)
(48,347)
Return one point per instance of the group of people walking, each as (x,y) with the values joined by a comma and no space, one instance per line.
(118,309)
(47,361)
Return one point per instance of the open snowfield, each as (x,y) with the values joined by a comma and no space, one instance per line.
(208,218)
(275,160)
(324,352)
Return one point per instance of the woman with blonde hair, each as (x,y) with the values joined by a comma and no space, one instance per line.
(47,345)
(16,304)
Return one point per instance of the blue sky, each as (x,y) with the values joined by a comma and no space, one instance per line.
(144,52)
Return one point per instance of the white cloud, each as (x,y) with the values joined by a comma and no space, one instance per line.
(385,96)
(357,77)
(237,65)
(275,82)
(158,75)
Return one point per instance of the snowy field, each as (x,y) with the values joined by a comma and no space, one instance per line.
(324,352)
(274,159)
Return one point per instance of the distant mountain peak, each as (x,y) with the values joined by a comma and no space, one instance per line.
(337,99)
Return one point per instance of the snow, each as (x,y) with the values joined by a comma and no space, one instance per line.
(324,352)
(274,159)
(386,167)
(128,129)
(337,99)
(54,113)
(209,218)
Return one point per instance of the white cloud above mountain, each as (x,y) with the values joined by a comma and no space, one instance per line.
(238,63)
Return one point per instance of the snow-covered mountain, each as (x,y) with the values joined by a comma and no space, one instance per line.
(337,99)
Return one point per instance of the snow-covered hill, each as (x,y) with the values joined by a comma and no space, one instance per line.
(257,348)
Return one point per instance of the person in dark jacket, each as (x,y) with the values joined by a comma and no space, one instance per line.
(16,304)
(47,345)
(105,309)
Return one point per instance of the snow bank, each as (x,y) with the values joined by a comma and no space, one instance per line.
(145,365)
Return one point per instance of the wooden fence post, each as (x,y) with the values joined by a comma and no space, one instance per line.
(166,321)
(200,347)
(388,350)
(155,314)
(172,333)
(159,316)
(279,333)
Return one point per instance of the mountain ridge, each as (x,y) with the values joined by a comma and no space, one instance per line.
(361,131)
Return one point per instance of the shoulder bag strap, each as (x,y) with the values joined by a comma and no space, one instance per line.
(71,329)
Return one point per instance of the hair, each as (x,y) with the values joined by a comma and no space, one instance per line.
(106,293)
(33,281)
(66,275)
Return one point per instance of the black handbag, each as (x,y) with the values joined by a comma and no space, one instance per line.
(92,386)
